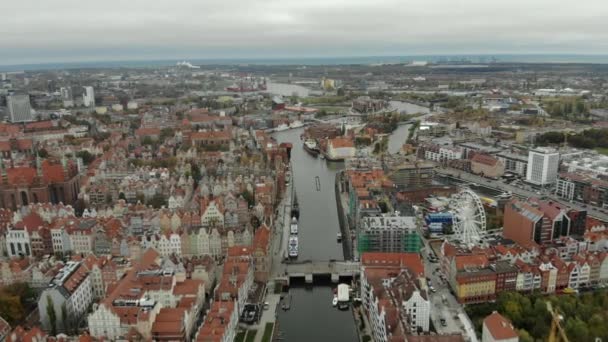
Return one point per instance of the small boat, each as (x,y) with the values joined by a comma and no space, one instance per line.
(294,226)
(293,246)
(334,302)
(310,145)
(295,208)
(296,124)
(281,127)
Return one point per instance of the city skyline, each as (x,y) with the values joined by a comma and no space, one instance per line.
(64,31)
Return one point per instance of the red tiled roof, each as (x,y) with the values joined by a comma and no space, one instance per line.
(341,142)
(52,172)
(216,322)
(475,260)
(40,125)
(398,260)
(19,334)
(261,238)
(143,132)
(500,327)
(32,221)
(21,175)
(211,135)
(484,159)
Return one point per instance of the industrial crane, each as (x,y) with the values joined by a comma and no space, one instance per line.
(556,326)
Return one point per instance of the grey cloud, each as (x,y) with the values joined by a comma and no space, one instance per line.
(36,31)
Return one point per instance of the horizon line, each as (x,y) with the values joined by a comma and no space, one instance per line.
(319,57)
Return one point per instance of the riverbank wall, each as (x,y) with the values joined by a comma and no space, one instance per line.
(342,219)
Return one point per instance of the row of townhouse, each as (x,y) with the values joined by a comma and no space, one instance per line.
(35,236)
(480,274)
(394,295)
(73,289)
(149,302)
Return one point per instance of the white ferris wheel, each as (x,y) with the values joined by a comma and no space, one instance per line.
(468,217)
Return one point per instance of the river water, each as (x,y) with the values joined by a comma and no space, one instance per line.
(318,224)
(312,317)
(285,89)
(398,137)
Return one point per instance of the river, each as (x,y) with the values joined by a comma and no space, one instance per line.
(285,89)
(318,224)
(398,137)
(312,317)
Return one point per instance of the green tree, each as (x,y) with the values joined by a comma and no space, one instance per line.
(157,201)
(86,156)
(50,311)
(147,140)
(577,330)
(248,196)
(524,336)
(64,317)
(43,153)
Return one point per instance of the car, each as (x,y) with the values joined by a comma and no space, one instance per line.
(432,289)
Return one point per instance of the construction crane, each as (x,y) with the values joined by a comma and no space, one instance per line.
(557,333)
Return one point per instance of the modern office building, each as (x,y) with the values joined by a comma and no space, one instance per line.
(19,109)
(88,98)
(543,164)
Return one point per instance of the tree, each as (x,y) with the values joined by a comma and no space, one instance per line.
(166,132)
(340,92)
(147,140)
(524,336)
(157,201)
(248,196)
(11,309)
(64,317)
(577,330)
(121,196)
(43,153)
(86,156)
(50,311)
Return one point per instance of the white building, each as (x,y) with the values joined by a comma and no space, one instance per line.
(440,153)
(18,242)
(69,294)
(19,108)
(543,164)
(61,240)
(212,215)
(88,98)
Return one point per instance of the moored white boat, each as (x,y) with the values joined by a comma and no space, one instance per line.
(293,246)
(294,226)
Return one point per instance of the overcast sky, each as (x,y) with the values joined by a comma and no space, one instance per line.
(35,31)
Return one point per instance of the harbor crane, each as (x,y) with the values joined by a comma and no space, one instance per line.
(557,332)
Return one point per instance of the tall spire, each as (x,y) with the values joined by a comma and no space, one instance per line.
(38,166)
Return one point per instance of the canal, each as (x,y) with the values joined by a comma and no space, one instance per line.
(318,224)
(399,136)
(312,316)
